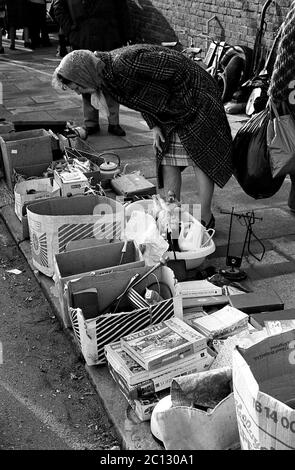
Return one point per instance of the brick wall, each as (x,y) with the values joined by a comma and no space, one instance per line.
(236,21)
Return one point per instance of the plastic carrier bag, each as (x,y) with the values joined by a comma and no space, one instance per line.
(142,228)
(191,236)
(251,160)
(281,142)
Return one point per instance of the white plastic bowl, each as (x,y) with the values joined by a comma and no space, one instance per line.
(193,259)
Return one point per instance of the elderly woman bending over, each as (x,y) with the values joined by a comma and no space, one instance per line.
(177,98)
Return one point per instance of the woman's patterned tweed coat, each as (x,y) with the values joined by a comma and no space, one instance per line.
(176,94)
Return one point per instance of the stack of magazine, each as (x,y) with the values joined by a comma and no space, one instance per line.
(200,293)
(225,322)
(144,363)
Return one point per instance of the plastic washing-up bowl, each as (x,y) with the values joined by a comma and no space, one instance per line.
(193,259)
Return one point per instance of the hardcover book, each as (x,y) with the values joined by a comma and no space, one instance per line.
(206,301)
(254,302)
(200,288)
(164,343)
(162,382)
(133,373)
(143,406)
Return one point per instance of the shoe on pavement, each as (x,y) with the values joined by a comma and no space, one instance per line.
(46,43)
(92,130)
(116,129)
(291,199)
(61,53)
(210,224)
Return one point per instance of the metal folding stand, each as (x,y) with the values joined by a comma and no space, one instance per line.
(235,252)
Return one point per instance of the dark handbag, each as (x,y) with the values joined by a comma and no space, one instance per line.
(281,142)
(251,160)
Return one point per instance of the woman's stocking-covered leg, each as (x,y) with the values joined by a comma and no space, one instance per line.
(205,191)
(172,180)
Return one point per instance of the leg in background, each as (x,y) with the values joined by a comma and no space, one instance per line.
(113,106)
(291,199)
(12,37)
(43,27)
(27,42)
(62,44)
(205,191)
(1,46)
(172,180)
(35,28)
(91,115)
(113,118)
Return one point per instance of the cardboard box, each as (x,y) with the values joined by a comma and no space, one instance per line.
(71,182)
(80,244)
(263,383)
(24,221)
(24,172)
(97,259)
(32,190)
(55,222)
(93,330)
(287,314)
(24,149)
(6,127)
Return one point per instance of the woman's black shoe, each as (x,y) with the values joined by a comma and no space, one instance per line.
(92,130)
(210,224)
(116,129)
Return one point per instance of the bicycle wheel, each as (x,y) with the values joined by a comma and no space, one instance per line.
(229,79)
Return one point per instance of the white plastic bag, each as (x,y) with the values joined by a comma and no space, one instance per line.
(191,235)
(142,228)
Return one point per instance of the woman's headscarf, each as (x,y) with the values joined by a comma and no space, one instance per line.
(81,67)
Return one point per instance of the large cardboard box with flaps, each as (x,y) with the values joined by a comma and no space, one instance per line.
(264,390)
(54,223)
(107,257)
(23,149)
(90,297)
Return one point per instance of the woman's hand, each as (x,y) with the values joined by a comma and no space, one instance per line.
(157,138)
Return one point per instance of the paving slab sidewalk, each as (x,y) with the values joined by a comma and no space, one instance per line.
(28,95)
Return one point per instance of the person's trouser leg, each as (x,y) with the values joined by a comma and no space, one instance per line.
(113,107)
(35,28)
(91,115)
(12,37)
(291,199)
(26,35)
(62,44)
(43,27)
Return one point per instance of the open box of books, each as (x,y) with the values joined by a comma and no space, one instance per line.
(143,364)
(106,257)
(95,325)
